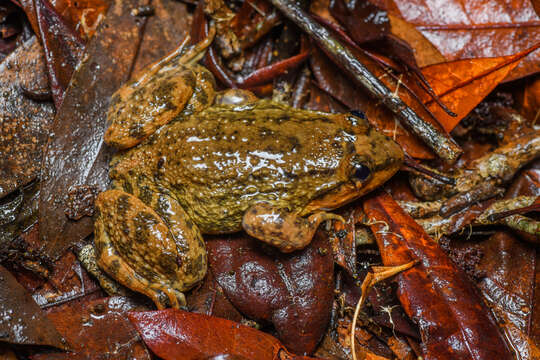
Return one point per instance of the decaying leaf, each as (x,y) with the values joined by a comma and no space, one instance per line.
(452,318)
(24,123)
(21,320)
(294,291)
(462,84)
(476,28)
(98,329)
(179,335)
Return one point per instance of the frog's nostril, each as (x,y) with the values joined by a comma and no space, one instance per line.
(361,172)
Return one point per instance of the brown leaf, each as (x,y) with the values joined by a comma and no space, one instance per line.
(509,265)
(452,319)
(21,320)
(63,48)
(294,291)
(24,123)
(75,155)
(163,32)
(463,84)
(97,329)
(179,335)
(477,28)
(425,52)
(529,100)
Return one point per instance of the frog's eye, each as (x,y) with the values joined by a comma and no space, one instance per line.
(361,172)
(358,113)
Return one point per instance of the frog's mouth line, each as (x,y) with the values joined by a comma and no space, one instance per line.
(348,192)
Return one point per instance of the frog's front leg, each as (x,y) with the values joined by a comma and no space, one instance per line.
(146,252)
(283,229)
(158,95)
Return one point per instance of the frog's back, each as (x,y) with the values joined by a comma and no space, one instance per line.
(224,159)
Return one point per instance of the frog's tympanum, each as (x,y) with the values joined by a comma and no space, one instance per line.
(200,163)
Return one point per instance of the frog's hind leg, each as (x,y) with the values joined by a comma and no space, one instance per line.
(279,227)
(135,246)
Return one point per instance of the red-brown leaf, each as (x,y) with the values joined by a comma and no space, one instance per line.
(452,319)
(21,320)
(294,291)
(463,29)
(179,335)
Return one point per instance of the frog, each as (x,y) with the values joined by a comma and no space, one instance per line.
(192,160)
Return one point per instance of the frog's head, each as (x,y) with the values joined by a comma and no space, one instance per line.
(371,160)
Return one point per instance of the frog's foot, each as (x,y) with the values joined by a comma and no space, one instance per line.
(135,247)
(154,98)
(281,228)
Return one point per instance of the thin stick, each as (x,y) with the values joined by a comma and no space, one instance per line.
(439,142)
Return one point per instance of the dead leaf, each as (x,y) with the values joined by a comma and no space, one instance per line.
(294,291)
(21,320)
(62,45)
(463,84)
(452,319)
(477,28)
(529,100)
(179,335)
(98,330)
(425,52)
(24,123)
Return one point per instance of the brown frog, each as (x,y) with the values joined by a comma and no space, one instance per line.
(198,162)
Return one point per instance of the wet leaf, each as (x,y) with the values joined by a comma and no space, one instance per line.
(75,155)
(509,265)
(425,52)
(83,16)
(21,320)
(529,100)
(294,291)
(97,329)
(163,32)
(63,48)
(364,21)
(463,84)
(452,319)
(476,28)
(24,123)
(179,335)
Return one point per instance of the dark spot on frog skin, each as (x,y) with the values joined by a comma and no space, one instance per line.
(145,194)
(114,266)
(123,205)
(160,162)
(143,221)
(136,131)
(168,263)
(127,187)
(125,228)
(189,78)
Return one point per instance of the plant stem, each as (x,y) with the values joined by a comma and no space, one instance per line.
(438,141)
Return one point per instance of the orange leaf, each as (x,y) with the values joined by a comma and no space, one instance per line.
(462,84)
(463,29)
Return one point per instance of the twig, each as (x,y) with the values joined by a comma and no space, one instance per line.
(439,142)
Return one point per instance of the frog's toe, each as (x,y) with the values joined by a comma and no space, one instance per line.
(285,230)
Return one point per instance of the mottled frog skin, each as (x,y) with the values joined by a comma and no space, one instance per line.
(197,165)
